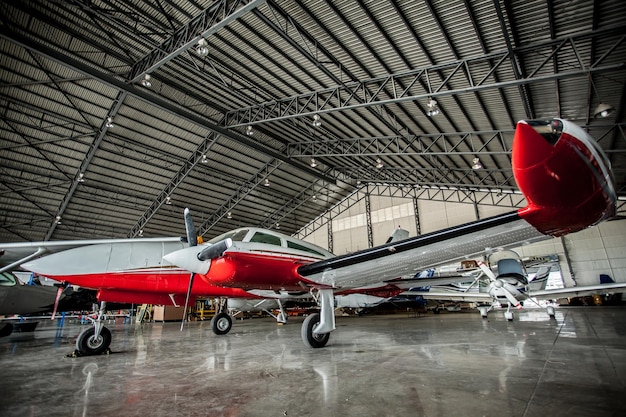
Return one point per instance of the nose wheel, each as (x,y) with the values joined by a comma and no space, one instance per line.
(221,323)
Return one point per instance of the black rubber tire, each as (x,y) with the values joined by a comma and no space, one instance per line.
(87,344)
(310,339)
(221,323)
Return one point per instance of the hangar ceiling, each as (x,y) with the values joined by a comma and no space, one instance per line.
(224,123)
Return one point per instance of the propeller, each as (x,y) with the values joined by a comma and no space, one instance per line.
(192,240)
(194,259)
(499,284)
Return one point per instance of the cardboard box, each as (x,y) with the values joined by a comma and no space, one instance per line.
(168,313)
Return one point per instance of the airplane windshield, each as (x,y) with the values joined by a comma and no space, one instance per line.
(235,235)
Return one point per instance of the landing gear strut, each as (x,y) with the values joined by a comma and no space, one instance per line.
(97,339)
(316,328)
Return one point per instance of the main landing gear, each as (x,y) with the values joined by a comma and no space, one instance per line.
(316,328)
(94,340)
(221,323)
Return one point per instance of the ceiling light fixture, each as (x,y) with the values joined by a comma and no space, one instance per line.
(203,47)
(249,130)
(109,122)
(266,183)
(204,159)
(476,164)
(146,81)
(81,177)
(141,233)
(57,219)
(603,110)
(317,120)
(229,215)
(313,163)
(379,163)
(433,108)
(168,200)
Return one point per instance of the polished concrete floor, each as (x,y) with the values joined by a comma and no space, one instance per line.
(450,364)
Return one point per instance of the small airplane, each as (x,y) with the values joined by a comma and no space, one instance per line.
(133,271)
(123,271)
(563,173)
(504,280)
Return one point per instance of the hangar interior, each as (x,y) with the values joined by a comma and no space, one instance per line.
(331,121)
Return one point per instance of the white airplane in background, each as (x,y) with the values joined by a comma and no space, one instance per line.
(503,280)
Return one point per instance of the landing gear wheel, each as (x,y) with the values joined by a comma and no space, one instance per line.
(308,337)
(221,323)
(88,344)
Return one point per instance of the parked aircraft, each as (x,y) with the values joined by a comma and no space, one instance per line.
(133,271)
(562,172)
(122,271)
(503,280)
(551,160)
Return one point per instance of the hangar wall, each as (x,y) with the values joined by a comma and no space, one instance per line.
(583,256)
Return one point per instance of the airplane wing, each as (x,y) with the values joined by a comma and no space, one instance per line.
(455,295)
(14,254)
(404,259)
(579,291)
(452,295)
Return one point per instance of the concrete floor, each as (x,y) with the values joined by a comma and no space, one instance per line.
(451,364)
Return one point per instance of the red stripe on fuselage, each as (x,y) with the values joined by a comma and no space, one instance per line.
(150,281)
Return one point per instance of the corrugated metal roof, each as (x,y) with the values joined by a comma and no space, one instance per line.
(368,66)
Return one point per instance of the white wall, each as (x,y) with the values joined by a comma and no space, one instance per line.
(598,250)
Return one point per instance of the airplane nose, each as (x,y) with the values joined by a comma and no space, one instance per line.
(187,259)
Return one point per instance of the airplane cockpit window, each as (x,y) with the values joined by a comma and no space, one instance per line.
(261,237)
(235,235)
(7,279)
(297,246)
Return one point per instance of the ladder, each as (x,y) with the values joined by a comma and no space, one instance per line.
(141,313)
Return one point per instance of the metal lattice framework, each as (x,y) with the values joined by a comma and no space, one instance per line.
(114,116)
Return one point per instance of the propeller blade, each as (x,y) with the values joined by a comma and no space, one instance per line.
(486,270)
(192,239)
(511,298)
(191,276)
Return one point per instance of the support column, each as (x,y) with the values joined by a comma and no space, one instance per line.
(418,227)
(368,219)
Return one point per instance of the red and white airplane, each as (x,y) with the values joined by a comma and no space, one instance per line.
(562,172)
